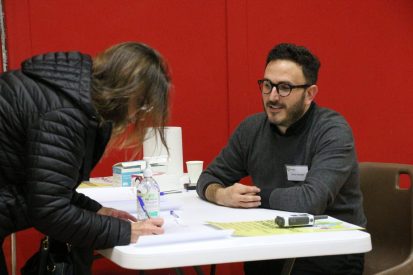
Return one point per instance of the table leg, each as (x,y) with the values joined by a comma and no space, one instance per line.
(198,270)
(13,254)
(288,266)
(213,268)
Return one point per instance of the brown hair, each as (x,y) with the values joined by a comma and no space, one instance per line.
(131,73)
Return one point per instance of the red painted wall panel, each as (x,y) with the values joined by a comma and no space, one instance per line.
(366,50)
(216,50)
(190,35)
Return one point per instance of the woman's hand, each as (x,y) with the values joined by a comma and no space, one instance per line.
(152,226)
(107,211)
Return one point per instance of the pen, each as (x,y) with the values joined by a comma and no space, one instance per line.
(163,193)
(143,207)
(174,214)
(177,219)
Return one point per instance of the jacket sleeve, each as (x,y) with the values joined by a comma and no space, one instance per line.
(85,202)
(55,150)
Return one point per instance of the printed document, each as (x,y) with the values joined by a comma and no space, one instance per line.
(269,227)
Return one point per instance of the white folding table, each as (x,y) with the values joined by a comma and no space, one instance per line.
(194,212)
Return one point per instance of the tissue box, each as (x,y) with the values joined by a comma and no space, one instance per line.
(123,171)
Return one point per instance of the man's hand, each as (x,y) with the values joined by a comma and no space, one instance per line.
(152,226)
(106,211)
(238,195)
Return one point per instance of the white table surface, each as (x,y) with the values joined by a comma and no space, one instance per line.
(194,212)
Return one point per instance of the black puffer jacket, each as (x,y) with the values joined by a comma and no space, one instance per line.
(49,142)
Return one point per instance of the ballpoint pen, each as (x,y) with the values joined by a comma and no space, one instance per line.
(174,214)
(177,219)
(163,193)
(143,207)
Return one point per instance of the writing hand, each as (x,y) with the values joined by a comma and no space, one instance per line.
(152,226)
(239,195)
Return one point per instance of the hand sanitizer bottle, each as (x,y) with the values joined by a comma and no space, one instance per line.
(148,196)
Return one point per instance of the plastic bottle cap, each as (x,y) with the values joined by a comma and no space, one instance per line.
(147,173)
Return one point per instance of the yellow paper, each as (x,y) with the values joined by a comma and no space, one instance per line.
(269,227)
(97,182)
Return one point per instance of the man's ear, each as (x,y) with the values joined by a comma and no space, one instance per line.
(311,92)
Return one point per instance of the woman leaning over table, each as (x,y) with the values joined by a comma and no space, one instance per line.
(57,115)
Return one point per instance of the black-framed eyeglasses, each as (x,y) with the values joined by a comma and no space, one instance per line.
(282,88)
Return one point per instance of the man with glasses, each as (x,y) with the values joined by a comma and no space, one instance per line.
(300,157)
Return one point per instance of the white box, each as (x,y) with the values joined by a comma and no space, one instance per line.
(123,171)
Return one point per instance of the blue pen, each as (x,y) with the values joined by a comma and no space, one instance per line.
(163,193)
(174,214)
(177,219)
(143,207)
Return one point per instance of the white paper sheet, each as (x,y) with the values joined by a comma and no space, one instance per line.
(170,236)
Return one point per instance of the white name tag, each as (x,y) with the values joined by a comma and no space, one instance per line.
(296,172)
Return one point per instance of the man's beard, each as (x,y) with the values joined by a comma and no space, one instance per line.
(293,113)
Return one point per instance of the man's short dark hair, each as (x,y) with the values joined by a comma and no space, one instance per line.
(300,55)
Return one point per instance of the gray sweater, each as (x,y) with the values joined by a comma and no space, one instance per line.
(321,140)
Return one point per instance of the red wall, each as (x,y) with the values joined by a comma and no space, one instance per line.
(216,51)
(366,51)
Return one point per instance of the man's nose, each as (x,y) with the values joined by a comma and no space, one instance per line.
(274,94)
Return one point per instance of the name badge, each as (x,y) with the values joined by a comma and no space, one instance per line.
(296,172)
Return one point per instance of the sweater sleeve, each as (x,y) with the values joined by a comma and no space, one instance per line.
(228,167)
(55,150)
